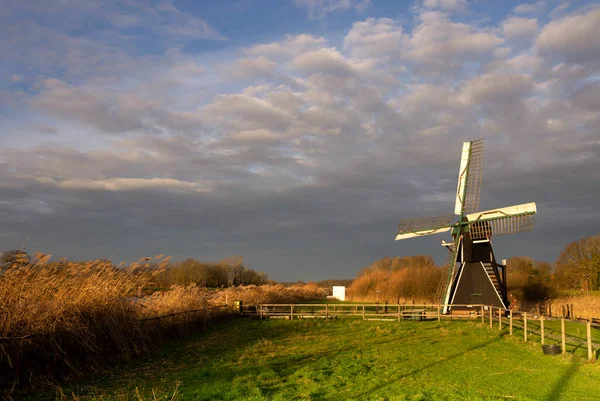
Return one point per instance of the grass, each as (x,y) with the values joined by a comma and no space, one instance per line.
(552,333)
(347,359)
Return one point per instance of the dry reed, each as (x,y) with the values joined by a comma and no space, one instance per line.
(58,319)
(270,294)
(584,306)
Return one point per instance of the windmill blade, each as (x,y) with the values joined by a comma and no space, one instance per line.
(506,220)
(417,227)
(469,178)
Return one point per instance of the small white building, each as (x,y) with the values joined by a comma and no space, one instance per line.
(339,292)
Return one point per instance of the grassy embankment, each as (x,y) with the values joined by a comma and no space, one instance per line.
(348,359)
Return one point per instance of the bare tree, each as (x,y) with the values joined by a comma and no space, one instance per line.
(578,265)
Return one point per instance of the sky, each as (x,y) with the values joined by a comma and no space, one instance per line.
(293,133)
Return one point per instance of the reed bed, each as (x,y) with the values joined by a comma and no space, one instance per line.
(270,294)
(584,306)
(62,318)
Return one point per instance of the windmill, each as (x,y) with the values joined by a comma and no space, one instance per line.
(474,276)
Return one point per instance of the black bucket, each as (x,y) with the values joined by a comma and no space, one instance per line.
(551,349)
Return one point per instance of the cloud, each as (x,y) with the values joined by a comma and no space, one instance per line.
(318,9)
(162,17)
(375,37)
(571,38)
(531,8)
(447,5)
(247,68)
(520,28)
(498,89)
(290,47)
(44,129)
(327,61)
(278,147)
(89,106)
(123,184)
(437,44)
(175,22)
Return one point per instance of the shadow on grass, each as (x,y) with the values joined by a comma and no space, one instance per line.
(428,366)
(559,387)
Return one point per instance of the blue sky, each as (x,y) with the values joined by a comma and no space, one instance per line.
(293,133)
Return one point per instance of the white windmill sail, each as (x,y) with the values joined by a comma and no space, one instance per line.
(503,212)
(462,178)
(421,233)
(505,220)
(469,178)
(417,227)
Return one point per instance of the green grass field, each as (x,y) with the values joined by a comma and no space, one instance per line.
(347,359)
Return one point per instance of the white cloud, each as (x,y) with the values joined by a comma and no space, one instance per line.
(247,68)
(87,105)
(574,38)
(520,28)
(531,8)
(328,61)
(500,89)
(375,37)
(447,5)
(290,47)
(123,184)
(438,44)
(320,8)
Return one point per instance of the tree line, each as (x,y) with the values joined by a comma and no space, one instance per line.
(226,273)
(576,268)
(529,281)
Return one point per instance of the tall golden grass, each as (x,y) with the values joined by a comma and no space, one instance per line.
(418,283)
(585,306)
(59,318)
(270,294)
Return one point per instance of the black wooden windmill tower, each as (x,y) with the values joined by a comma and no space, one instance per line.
(474,276)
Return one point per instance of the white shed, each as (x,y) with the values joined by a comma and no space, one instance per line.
(339,292)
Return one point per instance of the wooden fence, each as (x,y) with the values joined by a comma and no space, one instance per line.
(534,327)
(183,317)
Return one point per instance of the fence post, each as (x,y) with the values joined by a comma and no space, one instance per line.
(291,311)
(363,312)
(491,317)
(563,335)
(260,311)
(482,315)
(542,328)
(525,326)
(589,339)
(510,322)
(326,312)
(499,319)
(398,311)
(439,313)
